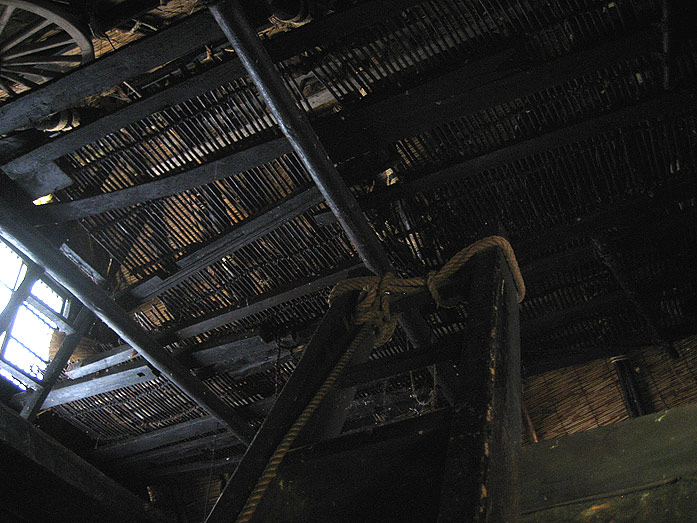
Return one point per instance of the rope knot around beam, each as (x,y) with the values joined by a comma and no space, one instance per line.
(377,291)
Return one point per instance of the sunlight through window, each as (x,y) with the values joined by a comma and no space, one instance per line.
(25,344)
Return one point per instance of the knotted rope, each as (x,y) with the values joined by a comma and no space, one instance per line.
(374,304)
(375,318)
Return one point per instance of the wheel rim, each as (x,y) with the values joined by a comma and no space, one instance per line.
(38,42)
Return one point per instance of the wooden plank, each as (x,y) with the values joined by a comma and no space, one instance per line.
(675,102)
(246,232)
(132,60)
(480,481)
(101,361)
(211,465)
(265,301)
(478,85)
(52,464)
(611,258)
(24,169)
(112,379)
(247,353)
(327,29)
(161,188)
(593,307)
(134,111)
(389,473)
(157,438)
(413,359)
(620,456)
(326,347)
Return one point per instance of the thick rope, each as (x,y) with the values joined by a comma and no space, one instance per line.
(373,313)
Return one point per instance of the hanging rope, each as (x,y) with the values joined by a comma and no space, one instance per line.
(374,316)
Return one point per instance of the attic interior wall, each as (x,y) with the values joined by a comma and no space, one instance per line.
(649,160)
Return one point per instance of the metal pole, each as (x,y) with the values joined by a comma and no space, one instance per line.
(17,231)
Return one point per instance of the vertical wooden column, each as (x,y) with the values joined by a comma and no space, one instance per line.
(331,339)
(634,401)
(480,481)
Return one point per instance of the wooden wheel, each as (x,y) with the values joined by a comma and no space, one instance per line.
(38,42)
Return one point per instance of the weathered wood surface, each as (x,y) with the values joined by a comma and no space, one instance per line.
(597,463)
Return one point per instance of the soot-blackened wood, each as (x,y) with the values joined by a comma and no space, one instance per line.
(176,470)
(392,365)
(157,438)
(36,399)
(18,232)
(243,234)
(89,132)
(285,45)
(114,378)
(390,473)
(246,353)
(480,84)
(267,300)
(480,481)
(634,399)
(329,342)
(135,59)
(102,361)
(226,167)
(592,308)
(674,102)
(611,258)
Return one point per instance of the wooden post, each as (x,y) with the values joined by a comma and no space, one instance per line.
(634,401)
(480,481)
(328,344)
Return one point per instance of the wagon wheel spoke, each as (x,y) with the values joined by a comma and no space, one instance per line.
(38,42)
(5,17)
(58,43)
(26,33)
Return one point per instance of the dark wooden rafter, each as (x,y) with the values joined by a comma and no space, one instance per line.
(478,85)
(264,301)
(246,232)
(246,352)
(675,102)
(16,230)
(611,258)
(133,60)
(329,28)
(162,188)
(20,440)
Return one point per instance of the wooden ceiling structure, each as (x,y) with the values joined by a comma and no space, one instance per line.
(570,124)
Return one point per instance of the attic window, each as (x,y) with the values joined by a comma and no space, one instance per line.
(24,345)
